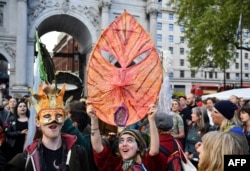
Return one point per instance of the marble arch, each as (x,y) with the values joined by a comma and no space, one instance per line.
(73,24)
(76,25)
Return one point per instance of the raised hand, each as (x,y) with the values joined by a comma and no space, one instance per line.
(152,111)
(91,111)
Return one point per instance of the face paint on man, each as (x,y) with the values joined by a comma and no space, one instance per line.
(49,116)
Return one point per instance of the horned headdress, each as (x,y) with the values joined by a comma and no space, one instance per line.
(50,100)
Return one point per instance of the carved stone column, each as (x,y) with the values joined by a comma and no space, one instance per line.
(21,48)
(152,9)
(105,6)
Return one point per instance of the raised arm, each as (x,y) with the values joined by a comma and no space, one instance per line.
(154,136)
(96,139)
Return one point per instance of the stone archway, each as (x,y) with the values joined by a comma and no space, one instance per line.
(80,27)
(70,25)
(5,68)
(75,28)
(8,53)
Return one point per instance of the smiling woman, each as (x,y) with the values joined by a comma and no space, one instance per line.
(132,151)
(16,130)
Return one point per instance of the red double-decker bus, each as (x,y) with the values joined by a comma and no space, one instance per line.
(204,89)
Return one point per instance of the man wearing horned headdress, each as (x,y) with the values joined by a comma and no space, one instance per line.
(52,150)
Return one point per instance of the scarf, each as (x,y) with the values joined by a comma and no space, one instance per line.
(130,165)
(126,164)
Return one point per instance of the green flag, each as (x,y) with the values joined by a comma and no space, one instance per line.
(43,74)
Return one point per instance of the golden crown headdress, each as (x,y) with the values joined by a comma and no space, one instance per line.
(50,100)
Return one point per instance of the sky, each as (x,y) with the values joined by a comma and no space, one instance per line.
(50,40)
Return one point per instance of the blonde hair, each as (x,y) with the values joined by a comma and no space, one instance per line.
(236,118)
(225,125)
(220,143)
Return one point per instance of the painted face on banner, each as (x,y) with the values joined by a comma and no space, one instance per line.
(49,116)
(124,72)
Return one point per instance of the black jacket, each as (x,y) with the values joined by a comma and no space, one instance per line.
(10,131)
(32,158)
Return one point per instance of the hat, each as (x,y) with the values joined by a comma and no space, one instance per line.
(164,122)
(138,138)
(50,100)
(226,108)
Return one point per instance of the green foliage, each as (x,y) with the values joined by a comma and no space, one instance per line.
(210,28)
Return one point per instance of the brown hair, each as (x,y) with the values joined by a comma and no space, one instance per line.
(141,143)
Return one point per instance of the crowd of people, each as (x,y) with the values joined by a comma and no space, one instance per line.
(71,137)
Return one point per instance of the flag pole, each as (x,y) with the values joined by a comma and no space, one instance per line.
(241,72)
(241,67)
(37,80)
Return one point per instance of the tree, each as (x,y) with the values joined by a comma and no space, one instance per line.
(210,29)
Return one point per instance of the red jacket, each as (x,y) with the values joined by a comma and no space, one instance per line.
(167,141)
(108,162)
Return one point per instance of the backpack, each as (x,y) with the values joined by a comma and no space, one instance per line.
(174,159)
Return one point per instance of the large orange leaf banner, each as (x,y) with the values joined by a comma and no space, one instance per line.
(124,73)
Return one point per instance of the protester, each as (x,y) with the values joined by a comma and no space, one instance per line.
(132,147)
(186,112)
(78,123)
(178,127)
(2,141)
(164,124)
(234,99)
(183,102)
(245,118)
(2,135)
(79,117)
(200,125)
(53,151)
(210,101)
(223,114)
(16,130)
(215,145)
(6,104)
(241,101)
(6,113)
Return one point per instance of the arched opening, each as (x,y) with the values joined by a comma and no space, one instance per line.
(4,76)
(72,45)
